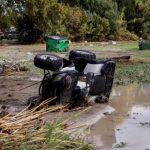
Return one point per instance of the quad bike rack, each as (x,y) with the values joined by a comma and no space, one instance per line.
(74,81)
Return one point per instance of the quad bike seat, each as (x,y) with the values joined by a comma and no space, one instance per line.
(83,66)
(101,73)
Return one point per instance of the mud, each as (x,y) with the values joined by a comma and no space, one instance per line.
(14,94)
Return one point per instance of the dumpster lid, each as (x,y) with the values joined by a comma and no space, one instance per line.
(56,37)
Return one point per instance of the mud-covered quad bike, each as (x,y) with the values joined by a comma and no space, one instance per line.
(76,80)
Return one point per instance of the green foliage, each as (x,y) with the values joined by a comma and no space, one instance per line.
(28,29)
(76,22)
(98,27)
(49,17)
(137,13)
(146,30)
(5,22)
(126,36)
(79,19)
(9,11)
(106,9)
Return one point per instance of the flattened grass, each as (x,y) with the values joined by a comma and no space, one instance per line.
(127,73)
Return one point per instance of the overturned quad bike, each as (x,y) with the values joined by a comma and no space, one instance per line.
(75,81)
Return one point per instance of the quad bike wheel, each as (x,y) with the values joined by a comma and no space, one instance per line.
(48,62)
(33,101)
(89,56)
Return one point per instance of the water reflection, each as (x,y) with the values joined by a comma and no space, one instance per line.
(132,104)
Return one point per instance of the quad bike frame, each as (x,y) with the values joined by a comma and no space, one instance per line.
(76,80)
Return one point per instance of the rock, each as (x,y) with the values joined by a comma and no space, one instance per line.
(85,42)
(114,42)
(1,70)
(10,95)
(30,56)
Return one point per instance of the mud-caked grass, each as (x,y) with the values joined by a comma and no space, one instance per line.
(127,73)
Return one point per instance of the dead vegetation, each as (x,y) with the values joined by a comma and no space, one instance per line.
(8,67)
(28,130)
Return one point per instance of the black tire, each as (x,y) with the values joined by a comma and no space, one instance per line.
(48,62)
(10,38)
(33,101)
(89,56)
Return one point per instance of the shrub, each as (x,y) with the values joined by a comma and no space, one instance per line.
(126,36)
(28,30)
(98,27)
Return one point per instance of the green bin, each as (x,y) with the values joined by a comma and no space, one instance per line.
(56,44)
(144,45)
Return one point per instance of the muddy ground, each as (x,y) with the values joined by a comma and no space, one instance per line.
(122,123)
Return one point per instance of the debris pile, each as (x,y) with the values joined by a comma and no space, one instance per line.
(7,67)
(124,58)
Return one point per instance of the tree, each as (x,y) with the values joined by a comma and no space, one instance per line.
(44,17)
(35,20)
(98,27)
(136,15)
(106,9)
(5,22)
(9,10)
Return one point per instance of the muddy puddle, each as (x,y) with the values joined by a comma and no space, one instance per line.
(128,127)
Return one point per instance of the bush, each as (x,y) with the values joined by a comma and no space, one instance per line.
(98,27)
(5,22)
(76,22)
(146,30)
(126,36)
(28,31)
(50,18)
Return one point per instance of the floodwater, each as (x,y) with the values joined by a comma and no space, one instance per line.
(123,123)
(128,127)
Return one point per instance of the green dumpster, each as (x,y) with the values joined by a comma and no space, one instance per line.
(57,44)
(144,45)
